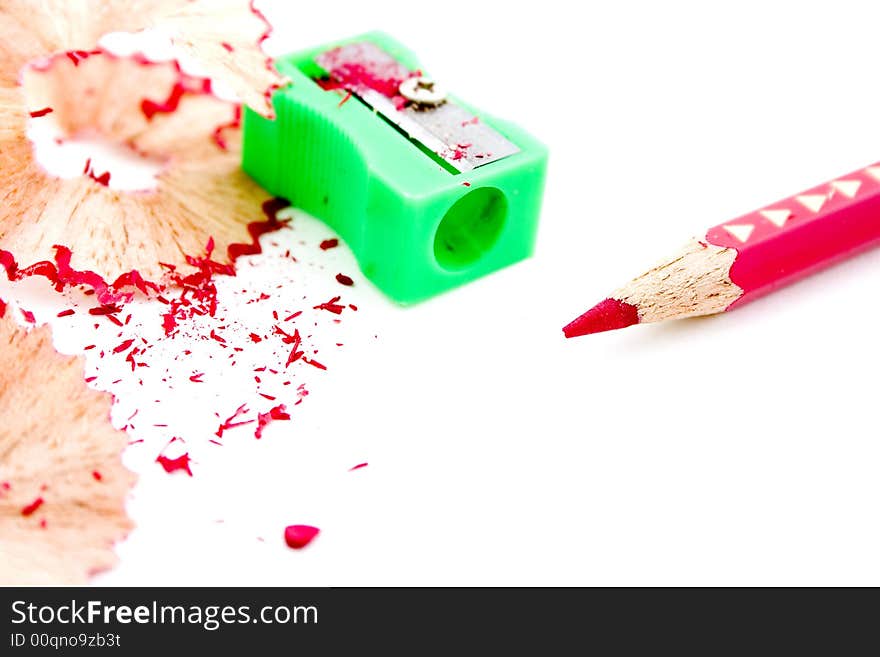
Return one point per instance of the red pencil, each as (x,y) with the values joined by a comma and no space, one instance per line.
(743,259)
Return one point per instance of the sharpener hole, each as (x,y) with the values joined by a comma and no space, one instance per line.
(470,228)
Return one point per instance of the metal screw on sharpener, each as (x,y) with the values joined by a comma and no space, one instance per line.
(423,91)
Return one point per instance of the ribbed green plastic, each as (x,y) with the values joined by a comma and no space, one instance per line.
(415,228)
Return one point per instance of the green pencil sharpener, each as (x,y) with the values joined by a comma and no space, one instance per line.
(428,192)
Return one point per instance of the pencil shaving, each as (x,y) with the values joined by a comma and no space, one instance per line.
(62,483)
(224,36)
(200,192)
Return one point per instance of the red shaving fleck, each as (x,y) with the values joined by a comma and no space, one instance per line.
(227,46)
(344,280)
(32,507)
(331,306)
(269,397)
(103,179)
(41,112)
(43,523)
(28,316)
(96,475)
(123,346)
(295,353)
(298,536)
(466,184)
(286,337)
(473,121)
(358,466)
(169,323)
(228,422)
(276,413)
(293,316)
(66,313)
(173,465)
(329,244)
(255,338)
(197,378)
(90,379)
(2,308)
(315,363)
(345,99)
(106,309)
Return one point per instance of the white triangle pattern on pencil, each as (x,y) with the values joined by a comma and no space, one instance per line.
(812,202)
(848,188)
(742,232)
(874,172)
(776,217)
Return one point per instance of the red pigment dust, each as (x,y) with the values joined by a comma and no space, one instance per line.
(41,112)
(358,466)
(96,475)
(32,507)
(329,244)
(344,280)
(607,315)
(298,536)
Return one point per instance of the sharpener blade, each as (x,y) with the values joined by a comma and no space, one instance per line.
(448,130)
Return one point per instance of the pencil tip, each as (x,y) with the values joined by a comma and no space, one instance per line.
(606,315)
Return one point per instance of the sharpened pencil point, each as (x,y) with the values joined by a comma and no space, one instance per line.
(607,315)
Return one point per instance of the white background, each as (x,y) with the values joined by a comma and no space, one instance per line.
(737,450)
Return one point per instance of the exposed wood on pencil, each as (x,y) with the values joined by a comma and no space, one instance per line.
(695,281)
